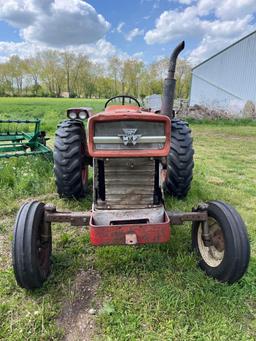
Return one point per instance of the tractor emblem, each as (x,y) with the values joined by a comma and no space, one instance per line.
(129,136)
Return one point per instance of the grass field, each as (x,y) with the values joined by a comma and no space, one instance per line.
(145,293)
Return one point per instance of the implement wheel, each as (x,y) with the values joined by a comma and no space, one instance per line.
(180,161)
(32,246)
(70,166)
(227,258)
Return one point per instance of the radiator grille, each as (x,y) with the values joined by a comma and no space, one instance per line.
(108,135)
(129,183)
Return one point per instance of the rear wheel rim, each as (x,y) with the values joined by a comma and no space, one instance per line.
(212,255)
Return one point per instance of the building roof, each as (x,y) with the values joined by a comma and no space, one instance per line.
(226,48)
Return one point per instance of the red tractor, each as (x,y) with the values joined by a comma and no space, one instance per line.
(136,155)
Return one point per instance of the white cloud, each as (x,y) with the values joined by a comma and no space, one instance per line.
(226,9)
(215,23)
(120,27)
(228,28)
(134,33)
(208,47)
(186,2)
(173,24)
(17,13)
(138,55)
(22,49)
(99,52)
(56,23)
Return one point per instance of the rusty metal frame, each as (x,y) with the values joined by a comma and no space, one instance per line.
(181,217)
(83,218)
(51,215)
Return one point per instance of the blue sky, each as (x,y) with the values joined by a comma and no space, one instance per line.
(144,29)
(136,14)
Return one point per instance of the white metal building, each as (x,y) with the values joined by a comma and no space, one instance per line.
(227,80)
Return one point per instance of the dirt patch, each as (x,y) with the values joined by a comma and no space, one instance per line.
(78,315)
(215,180)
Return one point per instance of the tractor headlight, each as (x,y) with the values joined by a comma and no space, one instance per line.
(82,115)
(72,115)
(79,113)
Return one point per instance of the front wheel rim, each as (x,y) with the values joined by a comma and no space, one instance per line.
(212,255)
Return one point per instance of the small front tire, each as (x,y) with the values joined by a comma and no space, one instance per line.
(32,247)
(228,257)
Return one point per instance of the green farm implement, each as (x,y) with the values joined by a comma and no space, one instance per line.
(22,138)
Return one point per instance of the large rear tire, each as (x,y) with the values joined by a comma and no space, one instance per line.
(31,249)
(70,166)
(227,258)
(180,161)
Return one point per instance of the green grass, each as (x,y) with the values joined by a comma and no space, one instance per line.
(223,122)
(50,110)
(146,293)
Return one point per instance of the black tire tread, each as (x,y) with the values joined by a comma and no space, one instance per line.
(68,159)
(241,241)
(180,161)
(236,235)
(25,266)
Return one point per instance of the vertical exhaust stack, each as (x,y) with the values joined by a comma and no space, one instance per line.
(170,82)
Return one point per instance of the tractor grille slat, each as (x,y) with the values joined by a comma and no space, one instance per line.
(129,183)
(122,182)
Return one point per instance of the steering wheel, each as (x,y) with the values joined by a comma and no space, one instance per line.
(123,99)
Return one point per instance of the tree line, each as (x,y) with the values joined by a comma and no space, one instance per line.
(55,74)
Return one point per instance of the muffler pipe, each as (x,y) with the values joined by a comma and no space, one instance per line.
(170,83)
